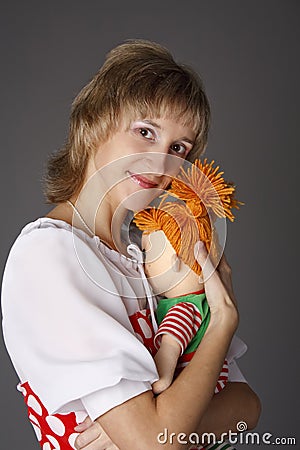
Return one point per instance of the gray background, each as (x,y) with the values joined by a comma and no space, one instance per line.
(248,55)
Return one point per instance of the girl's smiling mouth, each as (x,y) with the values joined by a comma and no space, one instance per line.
(141,180)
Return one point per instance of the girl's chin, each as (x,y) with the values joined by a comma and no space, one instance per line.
(138,204)
(140,199)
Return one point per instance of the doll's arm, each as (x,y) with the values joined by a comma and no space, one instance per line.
(182,322)
(166,360)
(175,332)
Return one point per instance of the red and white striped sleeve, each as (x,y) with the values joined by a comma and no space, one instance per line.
(223,378)
(182,321)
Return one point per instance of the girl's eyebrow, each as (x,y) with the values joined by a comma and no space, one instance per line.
(187,140)
(156,125)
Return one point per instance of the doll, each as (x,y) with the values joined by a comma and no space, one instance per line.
(170,231)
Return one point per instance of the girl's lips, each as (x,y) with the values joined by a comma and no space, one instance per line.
(142,181)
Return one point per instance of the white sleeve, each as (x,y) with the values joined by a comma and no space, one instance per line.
(236,350)
(66,336)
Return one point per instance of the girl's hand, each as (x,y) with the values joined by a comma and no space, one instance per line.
(225,274)
(218,288)
(221,299)
(92,437)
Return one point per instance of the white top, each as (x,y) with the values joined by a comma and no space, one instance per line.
(66,301)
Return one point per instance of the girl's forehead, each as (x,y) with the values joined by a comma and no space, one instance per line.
(159,121)
(178,113)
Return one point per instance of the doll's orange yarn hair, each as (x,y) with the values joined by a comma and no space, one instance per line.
(202,187)
(186,220)
(180,228)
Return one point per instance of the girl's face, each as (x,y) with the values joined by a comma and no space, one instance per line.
(139,159)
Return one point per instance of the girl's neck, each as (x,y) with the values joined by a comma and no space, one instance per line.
(104,220)
(94,210)
(99,221)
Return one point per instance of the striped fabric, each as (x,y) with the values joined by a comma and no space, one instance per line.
(223,378)
(182,321)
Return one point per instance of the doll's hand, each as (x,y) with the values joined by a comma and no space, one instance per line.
(218,288)
(92,437)
(166,361)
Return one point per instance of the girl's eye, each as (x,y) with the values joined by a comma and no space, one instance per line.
(146,133)
(180,149)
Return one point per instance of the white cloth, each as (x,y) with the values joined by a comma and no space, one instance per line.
(66,298)
(65,325)
(236,350)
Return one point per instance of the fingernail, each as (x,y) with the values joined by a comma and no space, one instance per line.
(198,247)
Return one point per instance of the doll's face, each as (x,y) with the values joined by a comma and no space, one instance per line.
(167,274)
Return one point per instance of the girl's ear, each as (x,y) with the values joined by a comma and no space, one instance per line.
(176,263)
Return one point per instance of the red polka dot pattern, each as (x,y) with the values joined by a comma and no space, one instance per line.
(54,432)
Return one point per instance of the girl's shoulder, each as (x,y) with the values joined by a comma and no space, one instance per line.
(52,248)
(53,228)
(45,240)
(51,236)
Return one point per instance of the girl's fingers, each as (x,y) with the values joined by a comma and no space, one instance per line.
(84,425)
(92,433)
(215,290)
(201,255)
(224,270)
(94,438)
(99,445)
(223,265)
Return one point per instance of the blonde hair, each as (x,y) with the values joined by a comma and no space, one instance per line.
(138,78)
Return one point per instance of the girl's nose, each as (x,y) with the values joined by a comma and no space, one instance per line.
(163,163)
(156,162)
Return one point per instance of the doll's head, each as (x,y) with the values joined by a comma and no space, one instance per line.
(172,229)
(170,233)
(169,275)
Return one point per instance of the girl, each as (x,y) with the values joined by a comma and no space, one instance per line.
(73,296)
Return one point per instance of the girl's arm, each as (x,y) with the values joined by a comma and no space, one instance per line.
(136,423)
(234,403)
(237,401)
